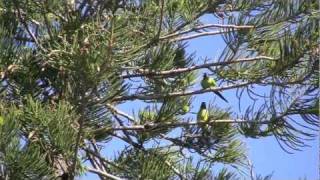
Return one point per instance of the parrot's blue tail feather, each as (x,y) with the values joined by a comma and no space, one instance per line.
(220,95)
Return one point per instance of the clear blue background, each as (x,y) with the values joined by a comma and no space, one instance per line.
(266,155)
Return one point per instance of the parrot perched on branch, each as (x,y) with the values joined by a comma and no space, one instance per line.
(208,82)
(203,114)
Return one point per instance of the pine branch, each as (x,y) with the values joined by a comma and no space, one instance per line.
(102,159)
(180,143)
(102,173)
(175,170)
(145,72)
(77,143)
(95,148)
(161,17)
(25,25)
(201,91)
(251,168)
(94,163)
(152,126)
(116,111)
(202,27)
(177,94)
(128,137)
(125,139)
(193,36)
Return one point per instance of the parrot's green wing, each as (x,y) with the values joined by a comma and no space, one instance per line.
(208,83)
(211,83)
(204,84)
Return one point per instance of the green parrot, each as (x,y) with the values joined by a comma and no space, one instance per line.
(203,114)
(185,109)
(208,82)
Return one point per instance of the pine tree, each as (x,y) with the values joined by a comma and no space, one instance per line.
(67,66)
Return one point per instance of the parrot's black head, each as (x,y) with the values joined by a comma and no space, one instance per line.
(205,76)
(203,105)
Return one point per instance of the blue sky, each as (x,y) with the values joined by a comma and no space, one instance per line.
(266,155)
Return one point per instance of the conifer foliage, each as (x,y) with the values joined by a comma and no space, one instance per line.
(68,67)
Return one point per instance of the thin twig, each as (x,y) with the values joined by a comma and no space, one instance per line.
(75,156)
(180,143)
(126,133)
(97,155)
(251,168)
(115,110)
(175,170)
(161,17)
(145,97)
(78,138)
(94,163)
(193,36)
(178,94)
(145,72)
(152,126)
(97,151)
(227,26)
(24,23)
(105,174)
